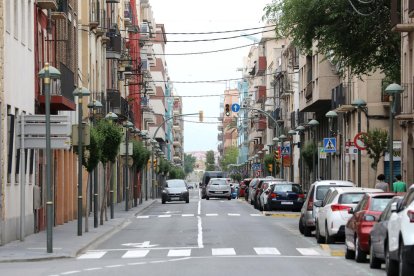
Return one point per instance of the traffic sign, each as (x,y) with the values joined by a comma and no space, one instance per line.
(359,143)
(235,107)
(329,144)
(285,150)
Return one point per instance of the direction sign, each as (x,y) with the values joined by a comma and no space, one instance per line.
(235,107)
(329,144)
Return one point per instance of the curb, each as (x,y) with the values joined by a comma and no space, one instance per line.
(334,253)
(281,215)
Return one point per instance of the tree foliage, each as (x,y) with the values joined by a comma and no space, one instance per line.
(111,139)
(164,166)
(176,173)
(189,163)
(308,151)
(230,157)
(210,161)
(140,154)
(356,36)
(376,142)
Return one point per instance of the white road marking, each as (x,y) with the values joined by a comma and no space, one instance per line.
(70,272)
(135,254)
(256,215)
(145,244)
(308,251)
(164,216)
(199,207)
(114,266)
(179,253)
(266,251)
(93,268)
(142,217)
(211,215)
(223,251)
(91,255)
(187,215)
(233,215)
(200,233)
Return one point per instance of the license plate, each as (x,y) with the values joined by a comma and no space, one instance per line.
(219,192)
(286,203)
(175,198)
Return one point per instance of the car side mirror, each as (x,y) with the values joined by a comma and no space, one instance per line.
(318,203)
(267,192)
(394,207)
(351,211)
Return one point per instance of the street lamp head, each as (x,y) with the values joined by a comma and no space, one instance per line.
(358,103)
(300,128)
(128,124)
(313,123)
(282,137)
(331,114)
(259,152)
(81,91)
(111,116)
(52,71)
(292,132)
(275,140)
(394,89)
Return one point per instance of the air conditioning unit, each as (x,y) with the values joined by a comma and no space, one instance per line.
(144,30)
(144,65)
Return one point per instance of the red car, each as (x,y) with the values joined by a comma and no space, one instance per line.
(358,227)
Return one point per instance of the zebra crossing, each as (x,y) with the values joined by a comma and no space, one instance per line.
(197,252)
(194,215)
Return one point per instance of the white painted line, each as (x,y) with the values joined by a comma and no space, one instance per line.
(266,251)
(200,233)
(139,263)
(199,207)
(223,251)
(92,255)
(70,272)
(135,254)
(256,215)
(93,268)
(114,266)
(308,251)
(142,217)
(211,215)
(187,215)
(233,215)
(179,253)
(164,216)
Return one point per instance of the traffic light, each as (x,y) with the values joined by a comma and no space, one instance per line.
(227,110)
(270,167)
(277,155)
(201,115)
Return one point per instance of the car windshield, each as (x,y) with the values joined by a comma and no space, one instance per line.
(379,203)
(321,191)
(287,188)
(219,182)
(175,183)
(350,198)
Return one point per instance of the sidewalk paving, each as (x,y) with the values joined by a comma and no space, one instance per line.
(66,243)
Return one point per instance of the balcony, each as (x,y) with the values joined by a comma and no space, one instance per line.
(47,4)
(261,94)
(261,66)
(397,24)
(117,103)
(114,46)
(177,143)
(61,92)
(61,11)
(261,123)
(220,127)
(94,15)
(112,1)
(127,14)
(220,136)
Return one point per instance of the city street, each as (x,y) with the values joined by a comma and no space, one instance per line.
(204,237)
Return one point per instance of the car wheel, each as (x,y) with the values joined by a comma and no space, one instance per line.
(374,262)
(405,268)
(207,197)
(229,198)
(328,239)
(163,201)
(391,266)
(307,231)
(319,238)
(301,228)
(349,254)
(187,200)
(360,256)
(266,207)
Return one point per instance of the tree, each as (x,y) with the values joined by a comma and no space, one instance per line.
(189,162)
(176,173)
(353,35)
(210,161)
(307,154)
(376,142)
(230,157)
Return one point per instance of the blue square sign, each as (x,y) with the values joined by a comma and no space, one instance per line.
(329,144)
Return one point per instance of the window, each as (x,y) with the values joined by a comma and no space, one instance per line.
(8,16)
(30,24)
(23,23)
(379,203)
(10,142)
(351,198)
(16,19)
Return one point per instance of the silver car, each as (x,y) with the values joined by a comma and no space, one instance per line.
(316,192)
(218,187)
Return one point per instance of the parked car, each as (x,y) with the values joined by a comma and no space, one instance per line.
(399,246)
(282,195)
(255,189)
(244,187)
(379,234)
(175,190)
(363,218)
(218,188)
(333,213)
(206,178)
(316,192)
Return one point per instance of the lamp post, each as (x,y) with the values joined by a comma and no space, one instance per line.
(153,144)
(276,148)
(331,115)
(80,92)
(127,126)
(146,138)
(282,138)
(291,133)
(112,117)
(300,130)
(393,90)
(94,105)
(136,194)
(359,104)
(47,73)
(259,155)
(313,124)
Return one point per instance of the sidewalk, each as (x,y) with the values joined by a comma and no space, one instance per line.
(66,243)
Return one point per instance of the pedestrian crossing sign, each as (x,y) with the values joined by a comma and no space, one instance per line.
(285,150)
(329,144)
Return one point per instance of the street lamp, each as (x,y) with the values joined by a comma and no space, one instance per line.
(127,126)
(276,148)
(111,117)
(94,105)
(137,132)
(393,90)
(331,115)
(47,73)
(313,124)
(300,130)
(282,138)
(153,143)
(291,133)
(359,104)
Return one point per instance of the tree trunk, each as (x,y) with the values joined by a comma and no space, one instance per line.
(104,198)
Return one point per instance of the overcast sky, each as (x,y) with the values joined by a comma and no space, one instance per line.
(180,16)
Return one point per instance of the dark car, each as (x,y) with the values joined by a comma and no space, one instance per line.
(379,235)
(206,178)
(358,227)
(175,190)
(284,196)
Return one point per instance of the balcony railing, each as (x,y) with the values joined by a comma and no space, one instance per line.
(47,4)
(261,94)
(114,46)
(94,15)
(62,10)
(261,66)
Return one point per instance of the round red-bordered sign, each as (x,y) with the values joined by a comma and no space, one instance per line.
(358,141)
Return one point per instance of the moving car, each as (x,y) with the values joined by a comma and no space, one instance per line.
(175,190)
(219,188)
(379,234)
(206,178)
(316,192)
(333,213)
(282,195)
(363,218)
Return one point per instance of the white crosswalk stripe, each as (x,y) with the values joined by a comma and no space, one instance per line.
(142,217)
(187,215)
(266,251)
(164,216)
(135,254)
(223,251)
(179,253)
(211,215)
(308,251)
(233,215)
(92,255)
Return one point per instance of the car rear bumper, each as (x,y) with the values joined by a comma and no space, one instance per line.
(174,197)
(224,194)
(285,205)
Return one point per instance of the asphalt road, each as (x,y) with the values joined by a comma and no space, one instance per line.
(204,237)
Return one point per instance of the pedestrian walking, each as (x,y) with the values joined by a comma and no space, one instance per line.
(381,184)
(399,186)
